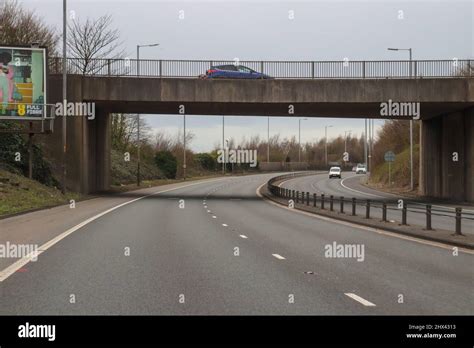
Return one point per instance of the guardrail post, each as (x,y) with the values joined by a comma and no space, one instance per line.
(342,205)
(384,212)
(297,196)
(108,67)
(307,198)
(353,206)
(458,221)
(404,214)
(314,199)
(363,69)
(322,201)
(428,217)
(367,209)
(160,67)
(331,202)
(312,70)
(261,68)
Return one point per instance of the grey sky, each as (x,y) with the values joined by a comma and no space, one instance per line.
(263,30)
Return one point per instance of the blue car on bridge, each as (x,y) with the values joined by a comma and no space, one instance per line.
(232,71)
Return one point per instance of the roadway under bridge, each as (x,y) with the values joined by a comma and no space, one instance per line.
(446,116)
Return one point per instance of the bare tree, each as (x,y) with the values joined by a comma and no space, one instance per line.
(125,131)
(19,26)
(90,40)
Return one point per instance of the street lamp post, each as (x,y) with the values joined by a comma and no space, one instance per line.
(223,147)
(184,147)
(326,143)
(64,127)
(411,120)
(299,138)
(138,115)
(268,139)
(138,55)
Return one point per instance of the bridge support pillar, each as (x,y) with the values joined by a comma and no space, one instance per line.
(97,145)
(447,156)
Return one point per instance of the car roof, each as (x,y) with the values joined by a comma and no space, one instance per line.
(335,168)
(231,67)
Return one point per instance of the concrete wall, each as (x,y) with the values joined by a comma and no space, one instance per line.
(440,174)
(313,98)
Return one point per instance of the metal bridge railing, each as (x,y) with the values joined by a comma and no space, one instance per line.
(395,69)
(346,205)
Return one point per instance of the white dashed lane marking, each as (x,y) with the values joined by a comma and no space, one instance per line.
(359,299)
(243,236)
(214,217)
(279,257)
(225,225)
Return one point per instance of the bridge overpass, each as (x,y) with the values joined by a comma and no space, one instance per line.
(312,89)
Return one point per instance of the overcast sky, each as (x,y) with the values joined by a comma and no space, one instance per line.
(277,30)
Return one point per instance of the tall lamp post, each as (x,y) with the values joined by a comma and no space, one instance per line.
(138,55)
(138,115)
(299,138)
(411,120)
(326,143)
(184,147)
(64,138)
(223,147)
(268,139)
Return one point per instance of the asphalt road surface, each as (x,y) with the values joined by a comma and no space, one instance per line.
(227,251)
(350,186)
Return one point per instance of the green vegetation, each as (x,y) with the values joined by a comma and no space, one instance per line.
(18,194)
(167,163)
(14,156)
(400,176)
(125,172)
(395,136)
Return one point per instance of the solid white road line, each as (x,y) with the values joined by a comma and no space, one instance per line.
(243,236)
(7,272)
(364,193)
(359,299)
(279,257)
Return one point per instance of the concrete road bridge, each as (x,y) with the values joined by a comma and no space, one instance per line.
(444,90)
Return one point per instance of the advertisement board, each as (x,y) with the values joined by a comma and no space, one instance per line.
(22,83)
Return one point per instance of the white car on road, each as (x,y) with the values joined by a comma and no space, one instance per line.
(335,172)
(361,169)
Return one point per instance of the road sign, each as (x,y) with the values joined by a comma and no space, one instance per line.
(389,156)
(22,83)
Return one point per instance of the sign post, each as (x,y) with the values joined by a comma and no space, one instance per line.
(389,157)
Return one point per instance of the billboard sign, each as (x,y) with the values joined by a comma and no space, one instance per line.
(22,83)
